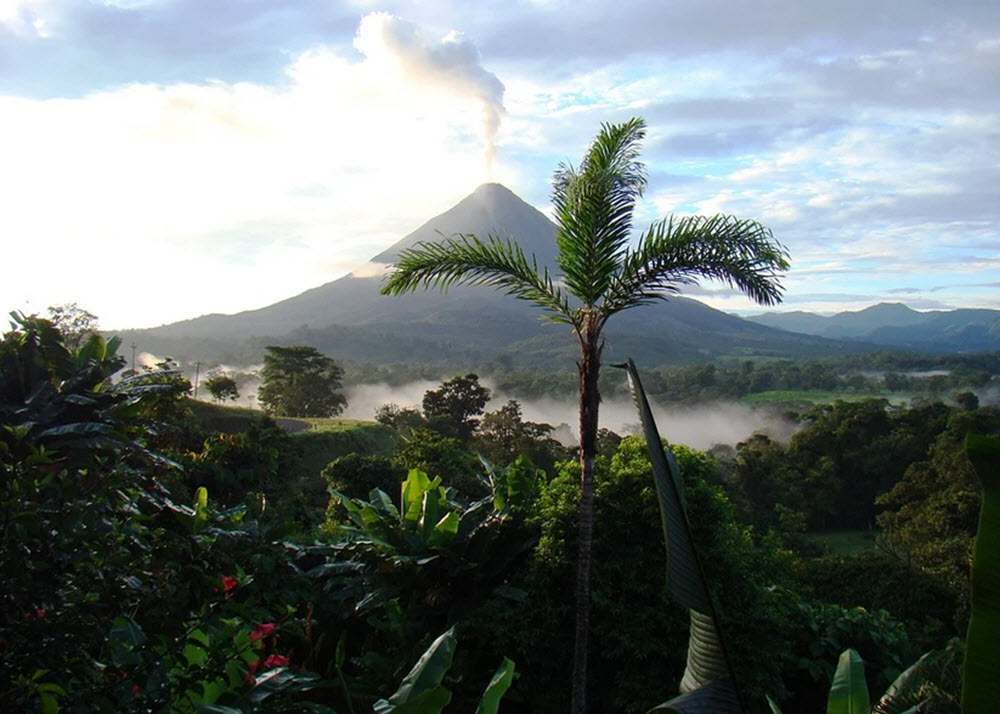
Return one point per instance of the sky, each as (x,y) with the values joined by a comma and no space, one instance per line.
(163,159)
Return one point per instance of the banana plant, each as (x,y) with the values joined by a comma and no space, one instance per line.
(849,690)
(708,684)
(422,690)
(426,518)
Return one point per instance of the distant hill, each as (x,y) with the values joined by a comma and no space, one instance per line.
(896,325)
(348,319)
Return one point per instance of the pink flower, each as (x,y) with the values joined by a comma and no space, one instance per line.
(275,660)
(261,631)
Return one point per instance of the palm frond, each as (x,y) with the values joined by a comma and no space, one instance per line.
(594,205)
(678,251)
(466,260)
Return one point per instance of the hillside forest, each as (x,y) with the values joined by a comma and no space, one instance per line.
(161,553)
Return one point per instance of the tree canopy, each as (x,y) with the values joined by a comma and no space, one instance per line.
(300,381)
(222,387)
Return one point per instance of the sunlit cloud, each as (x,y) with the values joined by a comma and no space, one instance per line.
(162,181)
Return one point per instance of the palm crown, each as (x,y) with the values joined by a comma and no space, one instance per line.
(594,204)
(601,275)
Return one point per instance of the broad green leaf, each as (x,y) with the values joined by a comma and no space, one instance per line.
(904,692)
(706,660)
(425,676)
(48,704)
(849,691)
(195,655)
(430,514)
(445,529)
(430,702)
(981,672)
(497,687)
(412,494)
(381,499)
(683,576)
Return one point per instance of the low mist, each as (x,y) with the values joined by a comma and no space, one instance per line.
(700,427)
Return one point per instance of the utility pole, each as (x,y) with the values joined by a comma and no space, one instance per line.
(197,372)
(133,358)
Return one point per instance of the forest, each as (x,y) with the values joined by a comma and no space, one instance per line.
(164,554)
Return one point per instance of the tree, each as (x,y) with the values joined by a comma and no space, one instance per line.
(602,275)
(400,419)
(504,435)
(75,323)
(300,381)
(452,409)
(222,387)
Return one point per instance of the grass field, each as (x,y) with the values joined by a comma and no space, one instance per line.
(317,441)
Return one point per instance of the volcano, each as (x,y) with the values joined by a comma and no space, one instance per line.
(349,319)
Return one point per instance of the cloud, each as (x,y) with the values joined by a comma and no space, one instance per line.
(264,144)
(451,63)
(24,17)
(266,189)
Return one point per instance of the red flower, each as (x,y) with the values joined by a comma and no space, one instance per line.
(228,584)
(261,631)
(275,661)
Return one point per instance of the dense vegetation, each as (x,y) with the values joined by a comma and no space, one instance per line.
(164,555)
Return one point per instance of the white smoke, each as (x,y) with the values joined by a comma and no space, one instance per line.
(451,63)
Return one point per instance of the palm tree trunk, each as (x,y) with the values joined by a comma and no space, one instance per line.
(589,368)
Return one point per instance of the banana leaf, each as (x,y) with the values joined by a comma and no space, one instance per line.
(421,690)
(497,687)
(904,695)
(981,672)
(849,691)
(708,683)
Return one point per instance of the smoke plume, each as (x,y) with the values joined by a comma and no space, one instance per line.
(451,63)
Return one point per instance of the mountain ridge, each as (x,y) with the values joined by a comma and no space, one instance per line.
(899,326)
(348,317)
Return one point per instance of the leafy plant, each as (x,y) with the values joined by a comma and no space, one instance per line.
(849,690)
(422,690)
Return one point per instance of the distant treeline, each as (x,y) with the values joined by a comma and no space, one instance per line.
(878,373)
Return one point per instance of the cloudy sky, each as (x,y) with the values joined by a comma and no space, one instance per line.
(161,159)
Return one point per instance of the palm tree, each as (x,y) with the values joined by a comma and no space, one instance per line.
(601,275)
